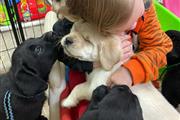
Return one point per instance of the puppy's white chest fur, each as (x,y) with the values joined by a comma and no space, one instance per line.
(84,91)
(99,76)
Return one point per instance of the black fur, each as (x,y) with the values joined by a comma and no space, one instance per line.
(118,103)
(171,80)
(174,56)
(28,76)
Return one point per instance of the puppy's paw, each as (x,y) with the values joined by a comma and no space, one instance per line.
(68,103)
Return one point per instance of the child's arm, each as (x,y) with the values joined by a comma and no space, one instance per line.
(154,45)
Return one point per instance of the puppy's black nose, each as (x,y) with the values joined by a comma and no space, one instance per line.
(68,41)
(52,37)
(55,36)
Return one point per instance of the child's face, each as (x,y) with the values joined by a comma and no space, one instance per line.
(138,11)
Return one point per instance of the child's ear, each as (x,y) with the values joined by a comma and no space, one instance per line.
(110,53)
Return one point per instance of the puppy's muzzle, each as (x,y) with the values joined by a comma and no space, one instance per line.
(52,37)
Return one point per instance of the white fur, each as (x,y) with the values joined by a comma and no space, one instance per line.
(83,91)
(57,75)
(154,105)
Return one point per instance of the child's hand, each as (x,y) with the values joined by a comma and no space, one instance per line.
(126,46)
(121,76)
(127,49)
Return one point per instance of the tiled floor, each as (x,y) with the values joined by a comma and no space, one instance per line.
(8,44)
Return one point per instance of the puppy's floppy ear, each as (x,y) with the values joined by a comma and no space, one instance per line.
(110,53)
(27,80)
(98,94)
(93,110)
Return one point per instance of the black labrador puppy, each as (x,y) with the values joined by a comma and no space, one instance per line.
(171,79)
(118,103)
(22,88)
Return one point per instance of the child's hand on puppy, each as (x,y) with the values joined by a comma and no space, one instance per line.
(122,75)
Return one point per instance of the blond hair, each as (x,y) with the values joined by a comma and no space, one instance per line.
(104,14)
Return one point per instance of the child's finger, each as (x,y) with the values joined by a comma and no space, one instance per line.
(127,49)
(125,38)
(126,43)
(126,57)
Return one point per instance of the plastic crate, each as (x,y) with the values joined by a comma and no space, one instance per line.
(168,20)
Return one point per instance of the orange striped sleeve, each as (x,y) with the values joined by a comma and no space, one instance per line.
(154,45)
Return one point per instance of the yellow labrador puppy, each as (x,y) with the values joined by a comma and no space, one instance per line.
(85,43)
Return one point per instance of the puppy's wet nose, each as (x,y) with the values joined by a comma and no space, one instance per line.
(55,36)
(52,37)
(68,41)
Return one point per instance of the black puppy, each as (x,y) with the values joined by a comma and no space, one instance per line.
(22,88)
(118,103)
(171,80)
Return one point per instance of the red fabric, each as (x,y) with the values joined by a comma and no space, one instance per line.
(76,112)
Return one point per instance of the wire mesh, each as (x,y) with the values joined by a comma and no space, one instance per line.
(16,25)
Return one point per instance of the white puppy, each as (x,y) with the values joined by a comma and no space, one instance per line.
(85,43)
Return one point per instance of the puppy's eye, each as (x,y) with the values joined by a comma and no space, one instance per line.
(37,49)
(86,38)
